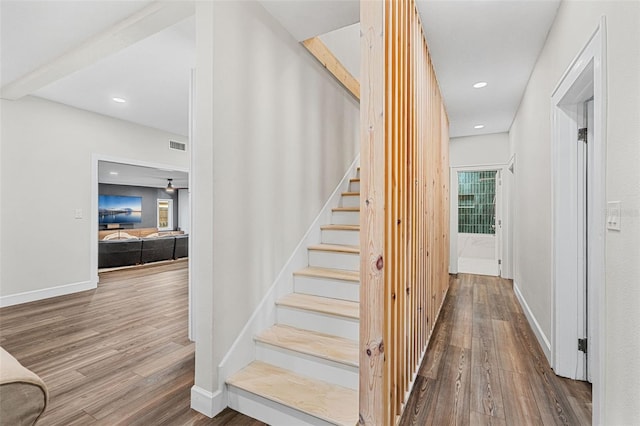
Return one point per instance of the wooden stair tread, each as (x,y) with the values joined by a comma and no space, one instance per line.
(336,248)
(346,209)
(337,274)
(340,227)
(324,305)
(321,345)
(350,194)
(334,404)
(354,180)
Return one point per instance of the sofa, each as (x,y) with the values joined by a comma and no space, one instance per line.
(114,253)
(23,394)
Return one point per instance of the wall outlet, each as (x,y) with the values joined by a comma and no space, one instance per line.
(613,215)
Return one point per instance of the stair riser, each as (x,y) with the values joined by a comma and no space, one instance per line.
(334,260)
(345,218)
(325,287)
(354,186)
(315,321)
(307,365)
(268,411)
(358,173)
(350,201)
(341,237)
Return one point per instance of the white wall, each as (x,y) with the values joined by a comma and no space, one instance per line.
(46,153)
(479,150)
(344,43)
(274,135)
(530,140)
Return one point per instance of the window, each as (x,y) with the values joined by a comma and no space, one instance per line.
(477,202)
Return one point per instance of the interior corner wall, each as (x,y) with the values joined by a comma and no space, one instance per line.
(46,152)
(274,135)
(530,137)
(479,150)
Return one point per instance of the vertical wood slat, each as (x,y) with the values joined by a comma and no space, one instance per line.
(404,205)
(373,376)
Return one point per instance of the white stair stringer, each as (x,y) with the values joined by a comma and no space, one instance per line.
(306,366)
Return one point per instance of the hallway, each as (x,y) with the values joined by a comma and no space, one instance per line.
(484,366)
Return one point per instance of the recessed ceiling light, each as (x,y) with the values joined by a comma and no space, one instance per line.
(480,85)
(119,100)
(113,173)
(478,126)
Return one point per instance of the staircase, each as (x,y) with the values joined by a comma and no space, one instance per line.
(306,367)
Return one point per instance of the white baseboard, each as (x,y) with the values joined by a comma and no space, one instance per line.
(207,403)
(242,352)
(542,338)
(46,293)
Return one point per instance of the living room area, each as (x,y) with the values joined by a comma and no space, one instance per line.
(143,215)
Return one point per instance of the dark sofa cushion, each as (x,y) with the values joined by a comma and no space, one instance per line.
(182,247)
(156,249)
(113,253)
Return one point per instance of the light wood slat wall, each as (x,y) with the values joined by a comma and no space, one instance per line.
(404,205)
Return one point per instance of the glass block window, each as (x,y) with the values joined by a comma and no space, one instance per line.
(477,202)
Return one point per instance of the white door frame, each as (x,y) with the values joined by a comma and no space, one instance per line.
(503,214)
(585,77)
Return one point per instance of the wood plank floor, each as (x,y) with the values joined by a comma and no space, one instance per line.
(120,355)
(116,355)
(485,367)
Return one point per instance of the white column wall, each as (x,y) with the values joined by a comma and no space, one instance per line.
(275,134)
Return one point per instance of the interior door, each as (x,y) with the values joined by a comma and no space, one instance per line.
(582,210)
(498,220)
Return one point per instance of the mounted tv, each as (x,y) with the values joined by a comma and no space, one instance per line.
(119,209)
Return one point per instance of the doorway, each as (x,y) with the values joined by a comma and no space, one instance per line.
(165,214)
(578,187)
(478,209)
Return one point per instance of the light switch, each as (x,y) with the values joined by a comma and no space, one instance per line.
(613,215)
(78,213)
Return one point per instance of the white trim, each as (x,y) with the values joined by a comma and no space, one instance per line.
(207,403)
(192,118)
(535,326)
(586,75)
(45,293)
(242,352)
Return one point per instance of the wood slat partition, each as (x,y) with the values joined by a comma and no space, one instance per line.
(404,205)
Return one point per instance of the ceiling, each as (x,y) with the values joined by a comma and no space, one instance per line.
(497,42)
(493,41)
(127,174)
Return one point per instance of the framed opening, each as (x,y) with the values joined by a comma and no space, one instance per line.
(578,114)
(165,214)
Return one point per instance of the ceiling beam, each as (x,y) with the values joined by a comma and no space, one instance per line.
(142,24)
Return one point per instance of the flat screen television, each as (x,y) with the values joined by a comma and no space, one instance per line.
(119,209)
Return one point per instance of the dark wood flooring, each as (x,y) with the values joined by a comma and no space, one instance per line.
(484,366)
(120,355)
(116,355)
